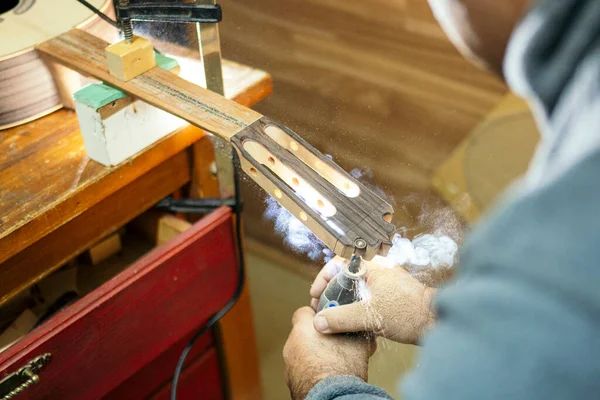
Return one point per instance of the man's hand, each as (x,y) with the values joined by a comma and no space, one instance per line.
(311,357)
(395,305)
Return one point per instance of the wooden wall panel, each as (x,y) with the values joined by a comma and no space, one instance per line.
(374,83)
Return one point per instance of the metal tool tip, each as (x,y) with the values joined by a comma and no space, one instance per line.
(354,265)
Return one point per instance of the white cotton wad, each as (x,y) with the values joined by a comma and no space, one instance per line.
(436,250)
(423,251)
(295,235)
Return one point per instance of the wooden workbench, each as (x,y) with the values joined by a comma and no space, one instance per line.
(55,202)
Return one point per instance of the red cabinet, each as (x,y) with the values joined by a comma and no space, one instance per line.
(123,339)
(199,381)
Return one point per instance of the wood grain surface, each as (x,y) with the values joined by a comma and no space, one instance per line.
(46,180)
(376,84)
(85,53)
(100,219)
(43,163)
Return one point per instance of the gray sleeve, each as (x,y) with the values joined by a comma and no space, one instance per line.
(522,319)
(346,388)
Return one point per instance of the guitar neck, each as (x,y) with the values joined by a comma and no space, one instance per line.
(85,53)
(345,215)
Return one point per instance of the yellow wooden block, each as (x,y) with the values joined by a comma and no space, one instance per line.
(105,248)
(128,60)
(170,226)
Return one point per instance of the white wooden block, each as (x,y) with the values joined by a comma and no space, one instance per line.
(115,127)
(111,140)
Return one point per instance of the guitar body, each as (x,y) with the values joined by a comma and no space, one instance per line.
(29,89)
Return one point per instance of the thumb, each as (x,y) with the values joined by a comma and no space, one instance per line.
(355,317)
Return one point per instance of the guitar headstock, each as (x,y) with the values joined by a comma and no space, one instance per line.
(347,216)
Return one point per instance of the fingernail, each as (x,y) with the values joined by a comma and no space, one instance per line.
(321,324)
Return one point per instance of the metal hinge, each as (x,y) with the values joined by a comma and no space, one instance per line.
(23,378)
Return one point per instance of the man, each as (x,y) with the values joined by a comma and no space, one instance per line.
(521,320)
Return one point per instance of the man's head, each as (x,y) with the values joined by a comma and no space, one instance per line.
(480,29)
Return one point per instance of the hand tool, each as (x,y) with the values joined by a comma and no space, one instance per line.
(345,287)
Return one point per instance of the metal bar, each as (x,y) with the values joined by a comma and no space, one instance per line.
(210,55)
(170,12)
(202,206)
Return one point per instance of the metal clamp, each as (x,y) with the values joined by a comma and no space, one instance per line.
(196,206)
(23,378)
(168,12)
(206,14)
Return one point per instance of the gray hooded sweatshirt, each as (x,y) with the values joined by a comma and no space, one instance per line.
(521,320)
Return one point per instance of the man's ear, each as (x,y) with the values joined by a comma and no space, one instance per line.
(480,29)
(454,19)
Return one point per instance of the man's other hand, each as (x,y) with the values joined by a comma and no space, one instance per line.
(311,357)
(395,305)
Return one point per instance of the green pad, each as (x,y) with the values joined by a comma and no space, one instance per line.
(165,62)
(97,95)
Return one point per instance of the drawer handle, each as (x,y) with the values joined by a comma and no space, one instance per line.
(27,372)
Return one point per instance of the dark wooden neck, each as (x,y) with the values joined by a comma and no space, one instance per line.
(348,217)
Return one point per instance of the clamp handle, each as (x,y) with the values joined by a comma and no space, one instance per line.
(168,12)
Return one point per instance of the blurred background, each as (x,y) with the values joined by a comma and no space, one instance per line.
(377,85)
